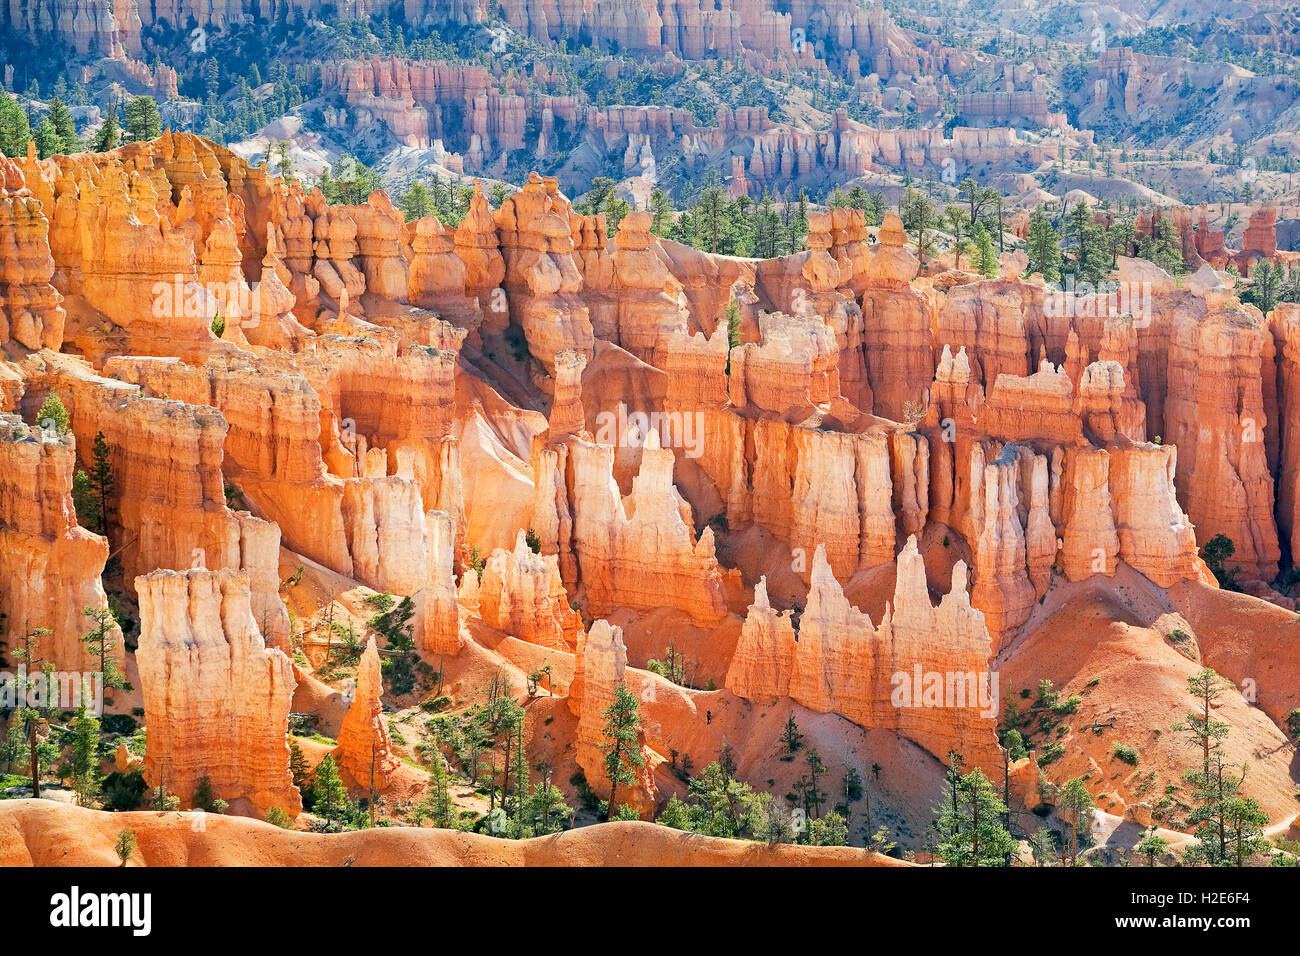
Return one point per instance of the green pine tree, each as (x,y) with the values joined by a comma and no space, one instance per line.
(1043,247)
(143,120)
(438,806)
(53,415)
(969,820)
(391,623)
(1074,804)
(64,126)
(108,136)
(84,757)
(99,481)
(15,127)
(622,748)
(415,202)
(99,642)
(47,139)
(986,257)
(330,796)
(661,212)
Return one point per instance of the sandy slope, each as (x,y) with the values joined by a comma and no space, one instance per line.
(1105,641)
(43,833)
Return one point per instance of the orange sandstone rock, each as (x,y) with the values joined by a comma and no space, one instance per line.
(895,676)
(216,700)
(542,278)
(640,551)
(1215,415)
(30,310)
(521,593)
(49,566)
(365,750)
(601,661)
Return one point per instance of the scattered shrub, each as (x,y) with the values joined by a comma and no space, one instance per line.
(1124,752)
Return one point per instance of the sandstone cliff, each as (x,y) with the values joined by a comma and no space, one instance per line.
(216,699)
(903,674)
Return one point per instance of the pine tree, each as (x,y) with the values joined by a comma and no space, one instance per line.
(1120,236)
(350,182)
(331,796)
(26,652)
(766,227)
(1076,221)
(1244,822)
(1151,846)
(53,415)
(622,751)
(767,822)
(391,623)
(1208,688)
(64,126)
(108,135)
(790,735)
(415,202)
(986,258)
(918,217)
(975,197)
(720,799)
(546,810)
(15,127)
(1161,248)
(875,208)
(86,503)
(99,643)
(143,121)
(674,815)
(284,165)
(84,757)
(124,846)
(732,314)
(1075,804)
(99,480)
(206,799)
(1043,247)
(969,824)
(808,786)
(1042,845)
(830,830)
(661,212)
(956,219)
(298,769)
(47,139)
(512,721)
(1213,793)
(709,216)
(594,198)
(997,224)
(1265,284)
(438,806)
(614,209)
(799,227)
(1094,255)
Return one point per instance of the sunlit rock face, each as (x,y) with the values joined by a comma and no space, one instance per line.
(216,698)
(850,480)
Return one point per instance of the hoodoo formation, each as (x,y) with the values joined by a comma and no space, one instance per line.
(607,496)
(785,489)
